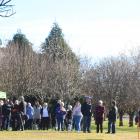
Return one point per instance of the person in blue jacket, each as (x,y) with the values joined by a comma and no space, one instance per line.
(29,113)
(60,116)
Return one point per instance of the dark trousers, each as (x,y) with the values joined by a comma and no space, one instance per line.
(29,124)
(111,126)
(60,123)
(16,122)
(86,123)
(6,122)
(99,124)
(45,123)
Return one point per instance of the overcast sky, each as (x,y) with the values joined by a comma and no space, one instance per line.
(96,28)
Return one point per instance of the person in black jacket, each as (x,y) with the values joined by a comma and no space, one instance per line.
(6,111)
(86,111)
(112,116)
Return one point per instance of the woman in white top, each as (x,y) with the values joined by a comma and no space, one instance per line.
(45,121)
(77,116)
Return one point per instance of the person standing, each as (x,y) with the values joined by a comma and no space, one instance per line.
(29,113)
(99,116)
(112,117)
(137,119)
(86,111)
(45,117)
(22,110)
(60,116)
(77,116)
(68,118)
(6,111)
(16,120)
(37,115)
(1,115)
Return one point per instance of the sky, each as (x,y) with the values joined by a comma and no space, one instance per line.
(93,28)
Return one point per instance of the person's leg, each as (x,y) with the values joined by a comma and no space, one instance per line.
(76,122)
(62,124)
(58,123)
(101,127)
(30,124)
(88,123)
(109,126)
(8,122)
(13,123)
(21,122)
(84,123)
(113,127)
(26,125)
(18,122)
(43,123)
(3,123)
(47,123)
(97,128)
(79,118)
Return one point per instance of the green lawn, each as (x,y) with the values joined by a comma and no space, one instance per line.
(123,133)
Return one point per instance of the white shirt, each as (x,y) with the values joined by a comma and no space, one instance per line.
(45,112)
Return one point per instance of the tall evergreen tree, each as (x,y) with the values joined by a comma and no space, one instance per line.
(55,45)
(63,72)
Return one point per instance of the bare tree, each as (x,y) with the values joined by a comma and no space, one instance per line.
(6,9)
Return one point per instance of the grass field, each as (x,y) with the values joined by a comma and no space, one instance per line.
(123,133)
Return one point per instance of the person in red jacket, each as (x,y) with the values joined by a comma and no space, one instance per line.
(99,116)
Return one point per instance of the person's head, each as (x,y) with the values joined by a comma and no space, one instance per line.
(114,103)
(100,102)
(88,99)
(29,104)
(21,98)
(69,107)
(59,101)
(45,104)
(37,103)
(16,102)
(62,104)
(6,101)
(1,102)
(77,103)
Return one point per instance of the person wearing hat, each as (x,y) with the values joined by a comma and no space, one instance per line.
(86,111)
(99,116)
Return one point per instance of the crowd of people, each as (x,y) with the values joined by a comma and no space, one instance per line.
(20,115)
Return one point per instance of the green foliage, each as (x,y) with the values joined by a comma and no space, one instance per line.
(56,47)
(20,39)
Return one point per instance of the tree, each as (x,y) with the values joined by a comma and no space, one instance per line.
(17,66)
(6,9)
(62,74)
